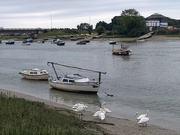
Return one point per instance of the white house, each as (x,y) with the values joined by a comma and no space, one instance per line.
(156,21)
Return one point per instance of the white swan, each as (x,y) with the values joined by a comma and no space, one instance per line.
(101,114)
(77,105)
(144,120)
(139,117)
(104,108)
(79,108)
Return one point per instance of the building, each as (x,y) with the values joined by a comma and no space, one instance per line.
(156,21)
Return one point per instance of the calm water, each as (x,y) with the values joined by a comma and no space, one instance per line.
(147,79)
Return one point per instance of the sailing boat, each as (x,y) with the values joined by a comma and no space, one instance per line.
(74,82)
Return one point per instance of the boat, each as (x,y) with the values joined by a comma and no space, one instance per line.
(82,42)
(29,40)
(122,51)
(34,74)
(112,42)
(11,42)
(60,42)
(74,82)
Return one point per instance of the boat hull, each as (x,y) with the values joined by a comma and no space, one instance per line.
(121,52)
(35,77)
(75,87)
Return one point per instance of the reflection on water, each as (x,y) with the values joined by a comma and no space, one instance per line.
(71,98)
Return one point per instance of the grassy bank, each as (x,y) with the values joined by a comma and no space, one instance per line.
(21,117)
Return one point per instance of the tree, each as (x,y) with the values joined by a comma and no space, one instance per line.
(130,12)
(84,26)
(100,30)
(104,24)
(130,23)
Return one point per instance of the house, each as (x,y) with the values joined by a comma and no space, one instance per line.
(156,21)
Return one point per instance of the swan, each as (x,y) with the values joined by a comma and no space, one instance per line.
(144,120)
(77,105)
(101,114)
(139,117)
(104,108)
(79,108)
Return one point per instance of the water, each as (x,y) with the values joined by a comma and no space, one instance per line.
(147,79)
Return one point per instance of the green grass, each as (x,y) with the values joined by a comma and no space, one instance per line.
(21,117)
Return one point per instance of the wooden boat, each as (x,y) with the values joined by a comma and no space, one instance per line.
(34,74)
(122,51)
(74,82)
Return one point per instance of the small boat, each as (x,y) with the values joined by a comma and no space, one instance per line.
(74,82)
(29,40)
(34,74)
(10,42)
(112,42)
(122,51)
(60,43)
(81,42)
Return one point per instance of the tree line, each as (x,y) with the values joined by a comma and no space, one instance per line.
(130,24)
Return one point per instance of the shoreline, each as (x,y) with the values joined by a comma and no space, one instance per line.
(153,38)
(111,125)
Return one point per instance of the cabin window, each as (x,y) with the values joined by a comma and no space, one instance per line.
(65,80)
(33,73)
(71,81)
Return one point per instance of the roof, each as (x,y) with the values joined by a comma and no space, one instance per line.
(156,16)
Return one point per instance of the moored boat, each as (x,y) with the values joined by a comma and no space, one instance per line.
(11,42)
(82,42)
(122,51)
(112,42)
(74,82)
(34,74)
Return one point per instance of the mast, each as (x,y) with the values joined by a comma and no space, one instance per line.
(53,63)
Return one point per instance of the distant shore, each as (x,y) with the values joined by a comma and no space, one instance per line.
(111,126)
(153,38)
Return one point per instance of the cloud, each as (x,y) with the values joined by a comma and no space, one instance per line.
(70,13)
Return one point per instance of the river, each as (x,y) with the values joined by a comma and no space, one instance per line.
(148,79)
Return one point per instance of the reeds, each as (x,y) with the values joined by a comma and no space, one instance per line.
(21,117)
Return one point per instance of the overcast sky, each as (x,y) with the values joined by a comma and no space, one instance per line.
(70,13)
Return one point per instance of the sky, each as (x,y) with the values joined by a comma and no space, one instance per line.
(70,13)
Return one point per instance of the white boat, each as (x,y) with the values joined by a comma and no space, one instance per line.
(59,42)
(75,82)
(34,74)
(112,42)
(122,51)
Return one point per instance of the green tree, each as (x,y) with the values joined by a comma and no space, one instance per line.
(130,23)
(85,26)
(104,24)
(100,30)
(130,12)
